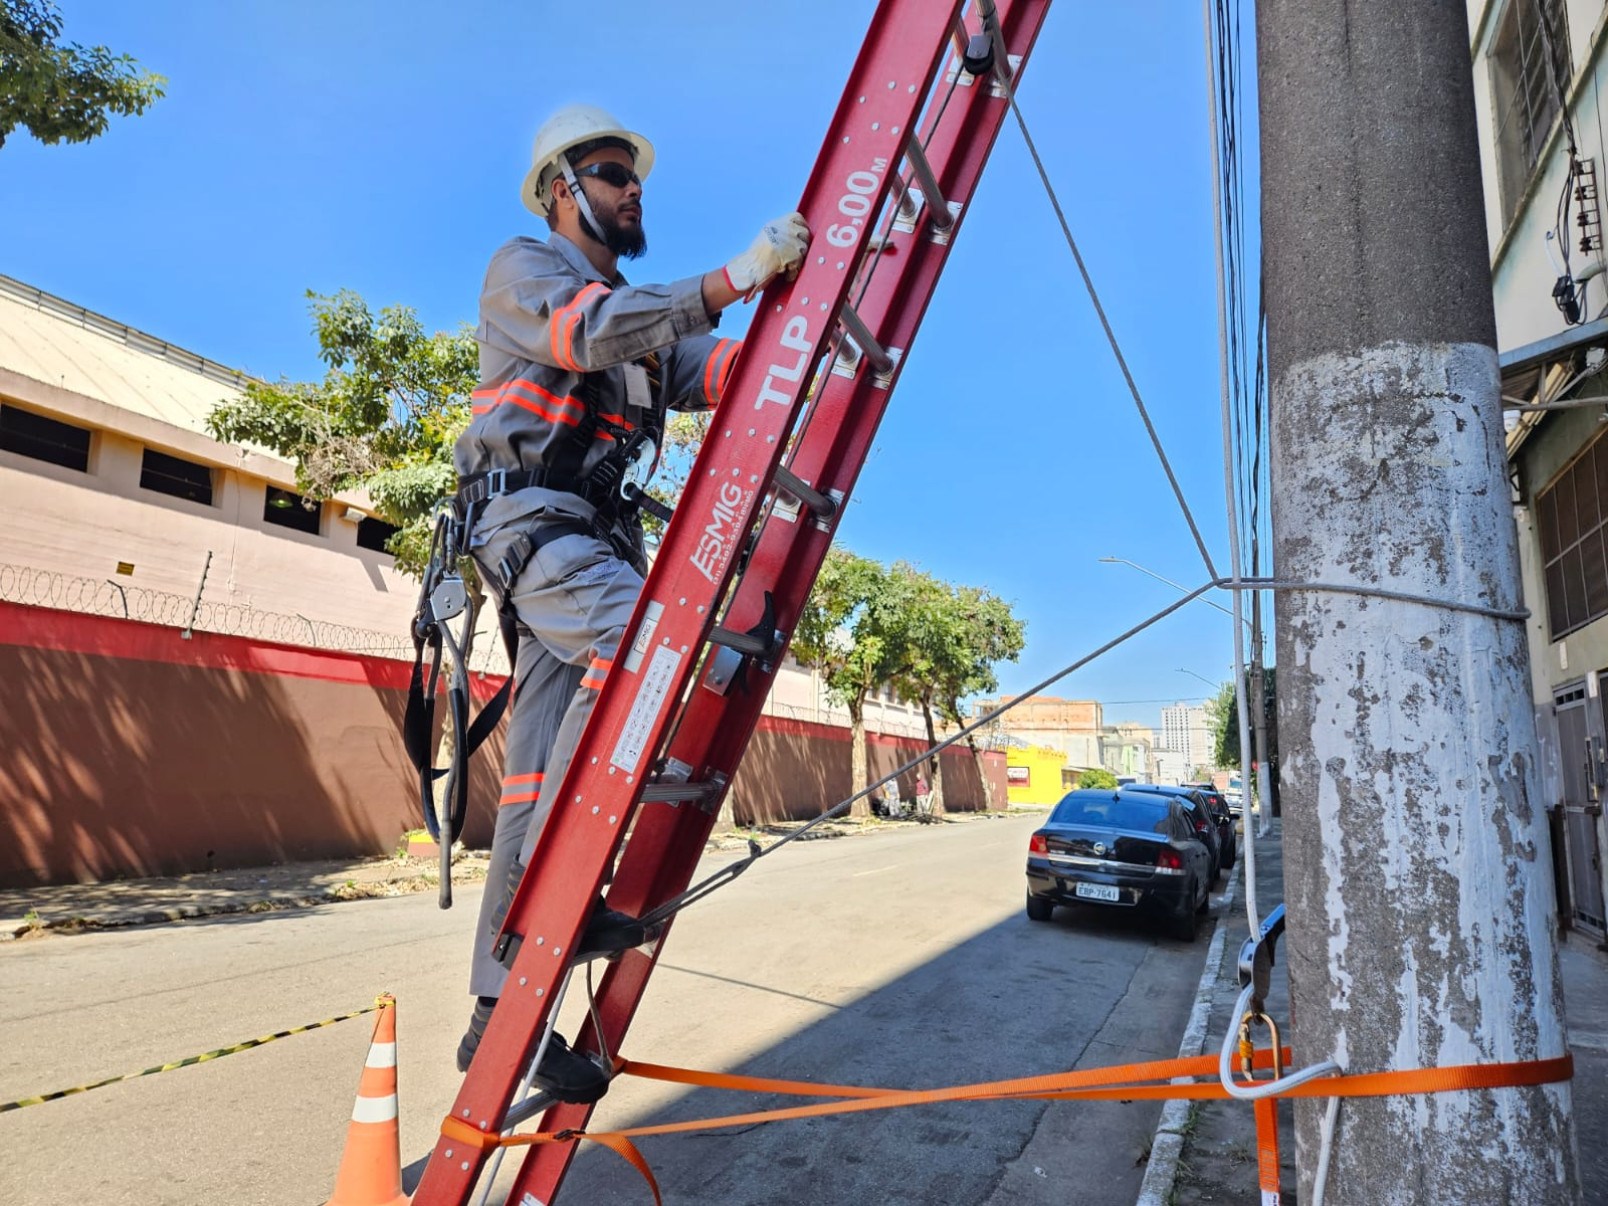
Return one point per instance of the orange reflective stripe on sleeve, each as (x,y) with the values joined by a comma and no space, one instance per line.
(561,330)
(711,378)
(723,373)
(596,672)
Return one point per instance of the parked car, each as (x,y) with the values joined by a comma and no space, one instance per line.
(1218,803)
(1121,849)
(1217,832)
(1235,795)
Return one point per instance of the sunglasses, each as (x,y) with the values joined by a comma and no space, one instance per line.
(616,175)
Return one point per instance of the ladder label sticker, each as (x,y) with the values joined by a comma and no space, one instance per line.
(639,647)
(639,724)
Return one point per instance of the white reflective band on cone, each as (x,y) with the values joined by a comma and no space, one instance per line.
(374,1109)
(381,1055)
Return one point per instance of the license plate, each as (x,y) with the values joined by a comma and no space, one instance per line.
(1096,892)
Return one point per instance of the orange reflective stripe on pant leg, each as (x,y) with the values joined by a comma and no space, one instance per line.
(520,789)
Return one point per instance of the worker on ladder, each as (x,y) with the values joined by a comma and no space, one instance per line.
(577,371)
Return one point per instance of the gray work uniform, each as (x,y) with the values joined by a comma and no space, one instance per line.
(555,338)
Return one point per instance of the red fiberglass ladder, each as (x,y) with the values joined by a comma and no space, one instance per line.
(889,191)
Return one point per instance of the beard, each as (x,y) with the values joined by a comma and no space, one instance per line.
(627,242)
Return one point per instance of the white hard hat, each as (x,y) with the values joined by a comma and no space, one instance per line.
(567,128)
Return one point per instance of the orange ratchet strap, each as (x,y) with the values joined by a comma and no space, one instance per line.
(1122,1082)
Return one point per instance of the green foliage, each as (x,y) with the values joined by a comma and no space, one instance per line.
(384,418)
(1225,720)
(63,92)
(847,628)
(1097,777)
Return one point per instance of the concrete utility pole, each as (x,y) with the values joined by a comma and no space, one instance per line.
(1417,879)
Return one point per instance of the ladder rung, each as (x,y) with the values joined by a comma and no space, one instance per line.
(938,211)
(677,793)
(863,340)
(522,1111)
(743,642)
(812,498)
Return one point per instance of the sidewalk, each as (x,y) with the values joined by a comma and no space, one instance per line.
(72,908)
(1218,1163)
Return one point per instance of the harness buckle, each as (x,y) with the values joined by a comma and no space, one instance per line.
(496,482)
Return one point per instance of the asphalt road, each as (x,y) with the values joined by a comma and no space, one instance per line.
(899,959)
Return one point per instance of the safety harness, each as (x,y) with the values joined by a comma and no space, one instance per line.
(614,487)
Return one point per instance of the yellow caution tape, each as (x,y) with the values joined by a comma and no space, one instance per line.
(185,1063)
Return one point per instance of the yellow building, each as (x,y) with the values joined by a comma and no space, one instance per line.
(1033,774)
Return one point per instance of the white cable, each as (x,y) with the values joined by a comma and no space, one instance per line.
(1320,1183)
(1262,1088)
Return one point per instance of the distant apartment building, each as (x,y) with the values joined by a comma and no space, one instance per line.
(1185,730)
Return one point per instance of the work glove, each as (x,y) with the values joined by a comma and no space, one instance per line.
(779,248)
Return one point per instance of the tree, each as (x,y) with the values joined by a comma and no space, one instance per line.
(1225,721)
(1097,777)
(383,420)
(951,638)
(1218,711)
(63,93)
(848,633)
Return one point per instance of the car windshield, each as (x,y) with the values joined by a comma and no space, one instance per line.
(1112,812)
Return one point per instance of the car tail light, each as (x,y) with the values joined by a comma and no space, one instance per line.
(1037,845)
(1169,859)
(1200,826)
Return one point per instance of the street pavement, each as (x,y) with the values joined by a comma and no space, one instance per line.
(901,958)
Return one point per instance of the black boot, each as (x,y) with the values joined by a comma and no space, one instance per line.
(564,1073)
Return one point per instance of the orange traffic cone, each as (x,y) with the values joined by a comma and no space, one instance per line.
(371,1166)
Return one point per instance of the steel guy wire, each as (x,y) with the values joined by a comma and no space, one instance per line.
(756,852)
(1003,74)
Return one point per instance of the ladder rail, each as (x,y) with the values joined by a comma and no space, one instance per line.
(659,861)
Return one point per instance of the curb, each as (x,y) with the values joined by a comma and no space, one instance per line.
(1167,1145)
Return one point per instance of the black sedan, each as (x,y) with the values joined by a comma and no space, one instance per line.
(1122,848)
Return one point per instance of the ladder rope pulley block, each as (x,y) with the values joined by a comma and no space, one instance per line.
(650,714)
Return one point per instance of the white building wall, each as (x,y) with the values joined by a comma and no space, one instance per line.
(1522,272)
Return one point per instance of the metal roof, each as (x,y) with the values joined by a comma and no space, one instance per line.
(53,341)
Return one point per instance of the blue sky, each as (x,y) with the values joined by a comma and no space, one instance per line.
(379,147)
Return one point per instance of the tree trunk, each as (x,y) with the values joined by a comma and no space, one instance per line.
(937,763)
(977,756)
(982,773)
(857,763)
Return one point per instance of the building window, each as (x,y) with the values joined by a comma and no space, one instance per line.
(289,510)
(373,533)
(172,475)
(1525,89)
(28,434)
(1572,520)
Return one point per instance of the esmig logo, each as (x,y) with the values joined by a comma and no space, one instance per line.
(714,543)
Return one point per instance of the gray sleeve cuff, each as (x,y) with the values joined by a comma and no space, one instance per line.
(687,313)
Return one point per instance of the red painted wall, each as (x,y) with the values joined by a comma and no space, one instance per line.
(126,750)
